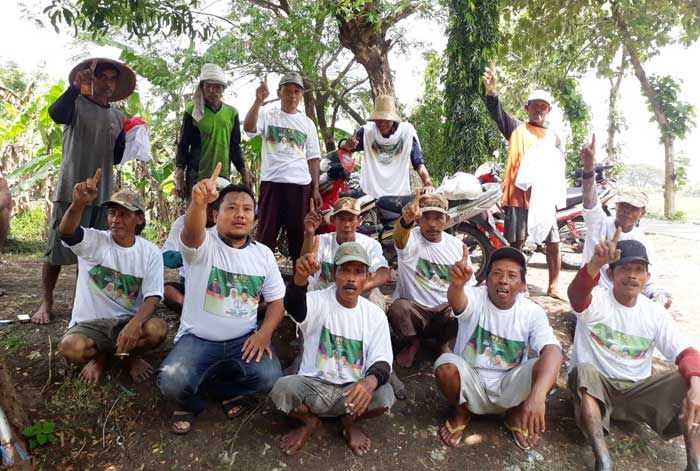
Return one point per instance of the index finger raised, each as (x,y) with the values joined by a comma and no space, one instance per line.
(314,246)
(465,253)
(215,174)
(416,197)
(616,237)
(98,175)
(492,66)
(593,141)
(312,206)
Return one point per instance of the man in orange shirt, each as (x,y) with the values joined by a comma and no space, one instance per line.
(521,138)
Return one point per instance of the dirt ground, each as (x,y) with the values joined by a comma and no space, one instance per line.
(120,426)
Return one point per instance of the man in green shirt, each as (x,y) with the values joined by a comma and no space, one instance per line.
(210,133)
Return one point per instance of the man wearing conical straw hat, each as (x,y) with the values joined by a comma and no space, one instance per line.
(93,138)
(390,146)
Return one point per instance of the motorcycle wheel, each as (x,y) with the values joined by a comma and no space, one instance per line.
(284,261)
(480,248)
(572,245)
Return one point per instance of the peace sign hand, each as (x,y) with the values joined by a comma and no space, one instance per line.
(85,192)
(606,252)
(411,212)
(205,191)
(461,272)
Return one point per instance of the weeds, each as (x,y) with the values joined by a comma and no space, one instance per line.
(12,341)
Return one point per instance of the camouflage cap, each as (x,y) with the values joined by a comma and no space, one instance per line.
(127,199)
(633,196)
(347,204)
(351,252)
(433,202)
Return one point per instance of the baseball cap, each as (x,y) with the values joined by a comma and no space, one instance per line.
(292,77)
(510,253)
(351,252)
(631,251)
(433,202)
(543,95)
(127,199)
(633,196)
(347,204)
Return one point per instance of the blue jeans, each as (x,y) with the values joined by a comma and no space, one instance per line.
(195,364)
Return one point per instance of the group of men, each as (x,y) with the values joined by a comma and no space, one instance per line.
(483,334)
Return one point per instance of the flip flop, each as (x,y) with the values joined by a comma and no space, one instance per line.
(514,431)
(187,417)
(454,430)
(233,404)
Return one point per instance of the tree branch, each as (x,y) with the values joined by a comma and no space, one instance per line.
(343,73)
(222,18)
(405,12)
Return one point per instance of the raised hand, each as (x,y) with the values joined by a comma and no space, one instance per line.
(588,155)
(489,79)
(606,252)
(312,220)
(461,272)
(308,263)
(85,192)
(262,92)
(411,212)
(205,191)
(350,143)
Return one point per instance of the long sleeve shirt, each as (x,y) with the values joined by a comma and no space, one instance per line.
(416,152)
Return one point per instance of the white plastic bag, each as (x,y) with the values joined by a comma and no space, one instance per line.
(138,142)
(460,186)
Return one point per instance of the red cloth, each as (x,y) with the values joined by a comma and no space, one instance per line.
(131,122)
(580,289)
(688,362)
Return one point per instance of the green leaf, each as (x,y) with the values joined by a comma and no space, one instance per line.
(41,439)
(32,444)
(48,427)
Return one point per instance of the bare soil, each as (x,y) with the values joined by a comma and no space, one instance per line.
(121,426)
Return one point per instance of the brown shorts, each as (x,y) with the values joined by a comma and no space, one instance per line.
(409,319)
(58,254)
(655,400)
(516,226)
(103,331)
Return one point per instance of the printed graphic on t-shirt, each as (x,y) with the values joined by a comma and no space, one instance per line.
(325,278)
(386,152)
(487,350)
(285,141)
(336,355)
(432,275)
(121,288)
(621,344)
(232,294)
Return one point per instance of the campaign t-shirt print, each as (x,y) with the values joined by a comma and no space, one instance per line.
(232,294)
(432,275)
(487,350)
(121,288)
(337,354)
(619,343)
(285,141)
(386,152)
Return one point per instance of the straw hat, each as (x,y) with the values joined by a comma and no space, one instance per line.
(126,83)
(384,108)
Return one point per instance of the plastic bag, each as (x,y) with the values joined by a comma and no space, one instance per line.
(460,186)
(138,142)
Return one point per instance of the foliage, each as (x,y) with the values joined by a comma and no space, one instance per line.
(40,433)
(577,114)
(470,135)
(12,341)
(679,114)
(681,163)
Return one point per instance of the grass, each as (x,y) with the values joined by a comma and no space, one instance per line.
(28,232)
(687,208)
(12,341)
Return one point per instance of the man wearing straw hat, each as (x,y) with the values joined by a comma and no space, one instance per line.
(389,146)
(93,138)
(210,133)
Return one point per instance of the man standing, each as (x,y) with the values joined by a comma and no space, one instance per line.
(210,133)
(93,138)
(5,209)
(489,371)
(105,321)
(290,163)
(425,255)
(347,353)
(215,349)
(610,372)
(390,146)
(535,139)
(629,210)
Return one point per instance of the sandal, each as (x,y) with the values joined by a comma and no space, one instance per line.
(233,407)
(454,430)
(182,416)
(516,430)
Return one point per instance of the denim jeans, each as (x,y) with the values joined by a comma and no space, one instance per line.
(195,365)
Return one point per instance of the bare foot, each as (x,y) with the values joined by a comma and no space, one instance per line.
(452,430)
(406,356)
(92,371)
(356,439)
(43,314)
(139,369)
(292,442)
(554,293)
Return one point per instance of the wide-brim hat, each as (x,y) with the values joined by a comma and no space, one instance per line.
(384,109)
(126,82)
(542,95)
(633,196)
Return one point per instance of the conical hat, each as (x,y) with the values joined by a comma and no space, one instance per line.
(126,82)
(384,108)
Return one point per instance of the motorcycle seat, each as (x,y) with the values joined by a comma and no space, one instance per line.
(394,203)
(574,196)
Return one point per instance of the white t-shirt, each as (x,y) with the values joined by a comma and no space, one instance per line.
(619,341)
(424,268)
(224,286)
(493,340)
(599,227)
(171,243)
(328,245)
(340,344)
(289,141)
(113,280)
(387,160)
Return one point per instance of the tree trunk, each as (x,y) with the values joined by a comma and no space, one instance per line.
(614,119)
(9,401)
(371,49)
(659,115)
(326,132)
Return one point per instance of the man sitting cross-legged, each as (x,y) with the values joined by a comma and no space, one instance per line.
(119,286)
(347,352)
(425,255)
(219,349)
(610,373)
(489,371)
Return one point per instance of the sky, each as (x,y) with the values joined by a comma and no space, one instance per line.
(42,48)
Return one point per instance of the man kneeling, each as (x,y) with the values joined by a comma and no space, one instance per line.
(347,352)
(610,375)
(489,371)
(119,286)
